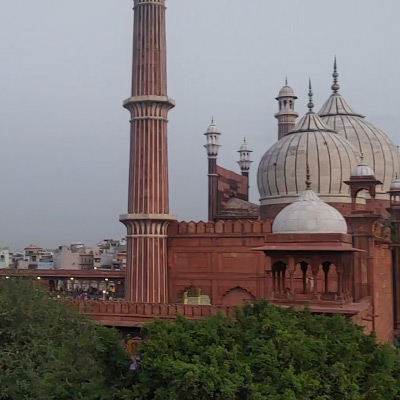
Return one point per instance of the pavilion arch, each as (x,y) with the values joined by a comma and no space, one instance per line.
(279,275)
(193,295)
(330,283)
(302,275)
(237,297)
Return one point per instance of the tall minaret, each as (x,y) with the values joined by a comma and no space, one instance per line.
(212,147)
(286,115)
(148,200)
(245,162)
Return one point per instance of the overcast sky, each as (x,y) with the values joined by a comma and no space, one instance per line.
(65,69)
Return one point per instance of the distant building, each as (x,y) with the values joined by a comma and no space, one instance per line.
(35,257)
(70,257)
(5,259)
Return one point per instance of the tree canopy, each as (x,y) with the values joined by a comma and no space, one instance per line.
(266,353)
(50,352)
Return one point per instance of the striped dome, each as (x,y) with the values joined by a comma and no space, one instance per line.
(282,170)
(379,151)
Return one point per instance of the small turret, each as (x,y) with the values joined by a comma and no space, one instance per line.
(287,115)
(212,135)
(363,178)
(245,158)
(212,147)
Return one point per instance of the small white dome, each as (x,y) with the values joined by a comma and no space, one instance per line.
(362,169)
(245,146)
(309,214)
(395,184)
(213,129)
(286,91)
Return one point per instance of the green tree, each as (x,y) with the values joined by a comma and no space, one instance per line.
(50,352)
(266,353)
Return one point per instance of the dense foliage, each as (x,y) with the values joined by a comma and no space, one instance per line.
(50,352)
(267,353)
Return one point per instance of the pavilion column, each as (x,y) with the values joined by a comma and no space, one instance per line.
(291,269)
(339,271)
(315,269)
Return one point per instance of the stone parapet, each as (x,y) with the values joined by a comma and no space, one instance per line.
(245,227)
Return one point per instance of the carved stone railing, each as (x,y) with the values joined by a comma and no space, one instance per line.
(247,227)
(115,313)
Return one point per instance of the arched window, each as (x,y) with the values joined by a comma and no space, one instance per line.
(237,297)
(279,277)
(193,295)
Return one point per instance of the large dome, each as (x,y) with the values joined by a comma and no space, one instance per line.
(378,150)
(309,214)
(330,157)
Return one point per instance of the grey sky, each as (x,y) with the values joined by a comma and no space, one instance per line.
(65,70)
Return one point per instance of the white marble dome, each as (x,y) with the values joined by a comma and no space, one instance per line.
(379,151)
(244,146)
(212,128)
(282,169)
(309,214)
(363,169)
(395,184)
(286,91)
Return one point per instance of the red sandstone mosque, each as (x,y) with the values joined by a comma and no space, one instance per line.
(326,232)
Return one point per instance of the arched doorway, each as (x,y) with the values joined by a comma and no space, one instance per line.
(237,297)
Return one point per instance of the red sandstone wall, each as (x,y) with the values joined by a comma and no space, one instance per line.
(217,258)
(383,293)
(269,212)
(364,318)
(231,184)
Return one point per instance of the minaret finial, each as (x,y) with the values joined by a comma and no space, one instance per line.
(308,178)
(286,80)
(310,95)
(335,86)
(212,120)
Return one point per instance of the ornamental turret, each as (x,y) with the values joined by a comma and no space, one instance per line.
(212,137)
(212,147)
(245,158)
(362,178)
(286,115)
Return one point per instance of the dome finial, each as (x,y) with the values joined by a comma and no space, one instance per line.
(310,95)
(308,178)
(286,80)
(335,86)
(212,120)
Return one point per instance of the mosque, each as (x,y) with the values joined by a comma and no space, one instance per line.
(326,232)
